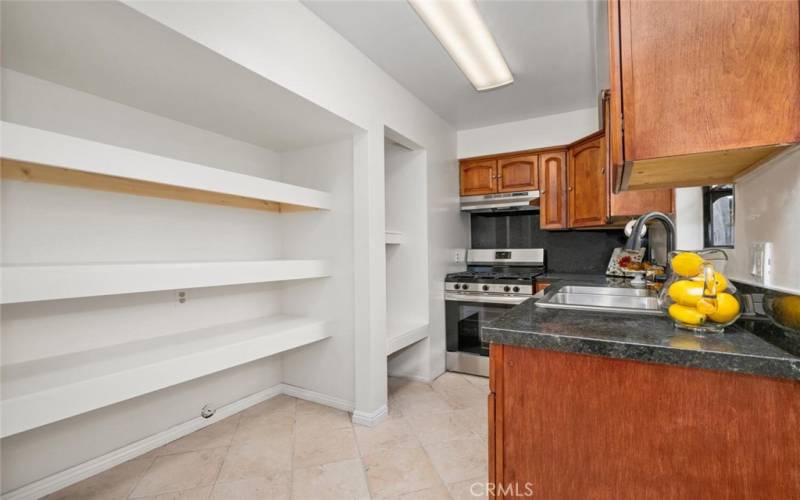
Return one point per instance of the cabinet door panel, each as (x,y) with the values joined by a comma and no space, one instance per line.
(582,426)
(478,177)
(708,76)
(635,203)
(553,191)
(519,173)
(587,184)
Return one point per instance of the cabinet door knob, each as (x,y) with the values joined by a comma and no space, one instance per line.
(570,188)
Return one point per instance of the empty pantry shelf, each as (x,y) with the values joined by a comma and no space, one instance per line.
(40,392)
(36,155)
(402,334)
(32,283)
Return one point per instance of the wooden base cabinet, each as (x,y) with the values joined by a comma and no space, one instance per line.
(572,426)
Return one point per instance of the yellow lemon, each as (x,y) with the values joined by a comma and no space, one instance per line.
(707,305)
(722,281)
(686,314)
(727,308)
(686,292)
(687,264)
(787,311)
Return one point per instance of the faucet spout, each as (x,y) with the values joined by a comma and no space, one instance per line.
(635,239)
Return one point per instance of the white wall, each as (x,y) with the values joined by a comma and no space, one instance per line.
(407,211)
(286,43)
(326,367)
(543,131)
(768,209)
(44,223)
(689,218)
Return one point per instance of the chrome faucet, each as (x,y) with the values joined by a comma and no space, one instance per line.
(635,239)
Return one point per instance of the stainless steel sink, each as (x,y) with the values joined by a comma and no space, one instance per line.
(601,298)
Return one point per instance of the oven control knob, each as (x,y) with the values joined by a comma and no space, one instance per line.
(485,288)
(516,289)
(464,286)
(457,286)
(506,288)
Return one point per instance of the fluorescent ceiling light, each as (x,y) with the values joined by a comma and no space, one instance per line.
(459,26)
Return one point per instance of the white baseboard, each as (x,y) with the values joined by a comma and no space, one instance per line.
(370,419)
(417,378)
(316,397)
(59,480)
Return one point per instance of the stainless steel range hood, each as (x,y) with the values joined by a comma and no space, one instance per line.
(501,202)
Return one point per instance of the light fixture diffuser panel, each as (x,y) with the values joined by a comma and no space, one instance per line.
(458,25)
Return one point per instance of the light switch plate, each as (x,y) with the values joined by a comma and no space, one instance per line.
(459,256)
(761,262)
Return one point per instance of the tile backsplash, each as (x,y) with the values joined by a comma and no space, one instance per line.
(586,251)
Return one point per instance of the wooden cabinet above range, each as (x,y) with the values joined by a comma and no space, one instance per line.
(518,173)
(503,174)
(701,92)
(478,177)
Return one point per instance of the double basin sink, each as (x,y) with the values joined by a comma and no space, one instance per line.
(601,298)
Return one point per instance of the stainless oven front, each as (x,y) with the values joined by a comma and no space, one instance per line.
(465,313)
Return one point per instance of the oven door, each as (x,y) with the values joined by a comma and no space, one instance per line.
(464,316)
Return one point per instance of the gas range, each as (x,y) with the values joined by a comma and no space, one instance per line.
(495,281)
(498,272)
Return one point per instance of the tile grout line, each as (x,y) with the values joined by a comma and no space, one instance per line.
(425,451)
(361,456)
(291,460)
(138,480)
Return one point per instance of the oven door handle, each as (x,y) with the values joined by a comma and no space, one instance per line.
(485,299)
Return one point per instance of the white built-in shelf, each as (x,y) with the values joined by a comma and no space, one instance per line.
(401,334)
(395,238)
(36,155)
(32,283)
(40,392)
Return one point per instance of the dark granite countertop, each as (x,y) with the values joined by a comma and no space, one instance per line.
(639,337)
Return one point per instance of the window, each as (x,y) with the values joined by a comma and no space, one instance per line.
(718,215)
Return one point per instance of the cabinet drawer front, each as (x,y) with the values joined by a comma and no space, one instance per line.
(519,173)
(478,177)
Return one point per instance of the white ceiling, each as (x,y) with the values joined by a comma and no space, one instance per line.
(550,47)
(112,51)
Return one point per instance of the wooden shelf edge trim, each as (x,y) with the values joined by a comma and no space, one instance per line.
(36,155)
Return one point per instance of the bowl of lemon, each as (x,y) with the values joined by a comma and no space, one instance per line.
(698,296)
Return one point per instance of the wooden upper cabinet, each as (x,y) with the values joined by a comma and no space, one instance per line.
(631,203)
(701,91)
(478,177)
(553,190)
(587,186)
(518,173)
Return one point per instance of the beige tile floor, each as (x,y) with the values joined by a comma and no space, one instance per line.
(432,446)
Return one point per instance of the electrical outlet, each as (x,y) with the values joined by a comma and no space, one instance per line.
(459,256)
(182,297)
(761,262)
